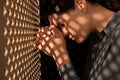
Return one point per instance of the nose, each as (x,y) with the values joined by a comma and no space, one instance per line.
(65,31)
(63,26)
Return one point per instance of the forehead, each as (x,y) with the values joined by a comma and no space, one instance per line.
(65,16)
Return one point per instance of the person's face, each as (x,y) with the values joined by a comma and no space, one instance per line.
(74,24)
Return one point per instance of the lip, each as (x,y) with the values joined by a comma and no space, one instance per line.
(72,37)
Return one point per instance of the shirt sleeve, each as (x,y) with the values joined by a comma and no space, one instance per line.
(67,72)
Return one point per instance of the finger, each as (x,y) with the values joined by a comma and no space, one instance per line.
(43,42)
(48,32)
(52,20)
(42,33)
(38,35)
(44,47)
(42,30)
(39,29)
(51,26)
(37,42)
(40,46)
(55,32)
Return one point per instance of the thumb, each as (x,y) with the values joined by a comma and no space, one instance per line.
(52,21)
(56,32)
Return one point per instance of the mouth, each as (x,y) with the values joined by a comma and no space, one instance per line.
(72,37)
(75,38)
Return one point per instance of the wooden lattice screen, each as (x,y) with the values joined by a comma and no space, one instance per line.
(19,22)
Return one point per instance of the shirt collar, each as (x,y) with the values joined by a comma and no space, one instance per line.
(111,25)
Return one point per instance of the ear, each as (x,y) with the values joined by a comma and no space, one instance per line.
(81,5)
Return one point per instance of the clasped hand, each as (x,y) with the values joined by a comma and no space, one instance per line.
(50,40)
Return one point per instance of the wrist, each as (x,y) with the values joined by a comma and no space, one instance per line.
(62,59)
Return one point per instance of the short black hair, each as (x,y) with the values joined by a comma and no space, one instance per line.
(113,5)
(93,1)
(48,7)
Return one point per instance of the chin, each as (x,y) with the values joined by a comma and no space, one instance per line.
(81,40)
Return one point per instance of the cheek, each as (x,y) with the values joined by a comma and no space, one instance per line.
(81,20)
(83,35)
(74,25)
(80,40)
(72,31)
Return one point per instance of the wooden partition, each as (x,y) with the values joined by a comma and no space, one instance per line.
(19,22)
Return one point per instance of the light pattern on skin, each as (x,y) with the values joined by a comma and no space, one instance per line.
(81,20)
(58,41)
(72,31)
(66,17)
(47,49)
(52,44)
(57,53)
(77,26)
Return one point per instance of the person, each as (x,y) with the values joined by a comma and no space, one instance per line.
(76,19)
